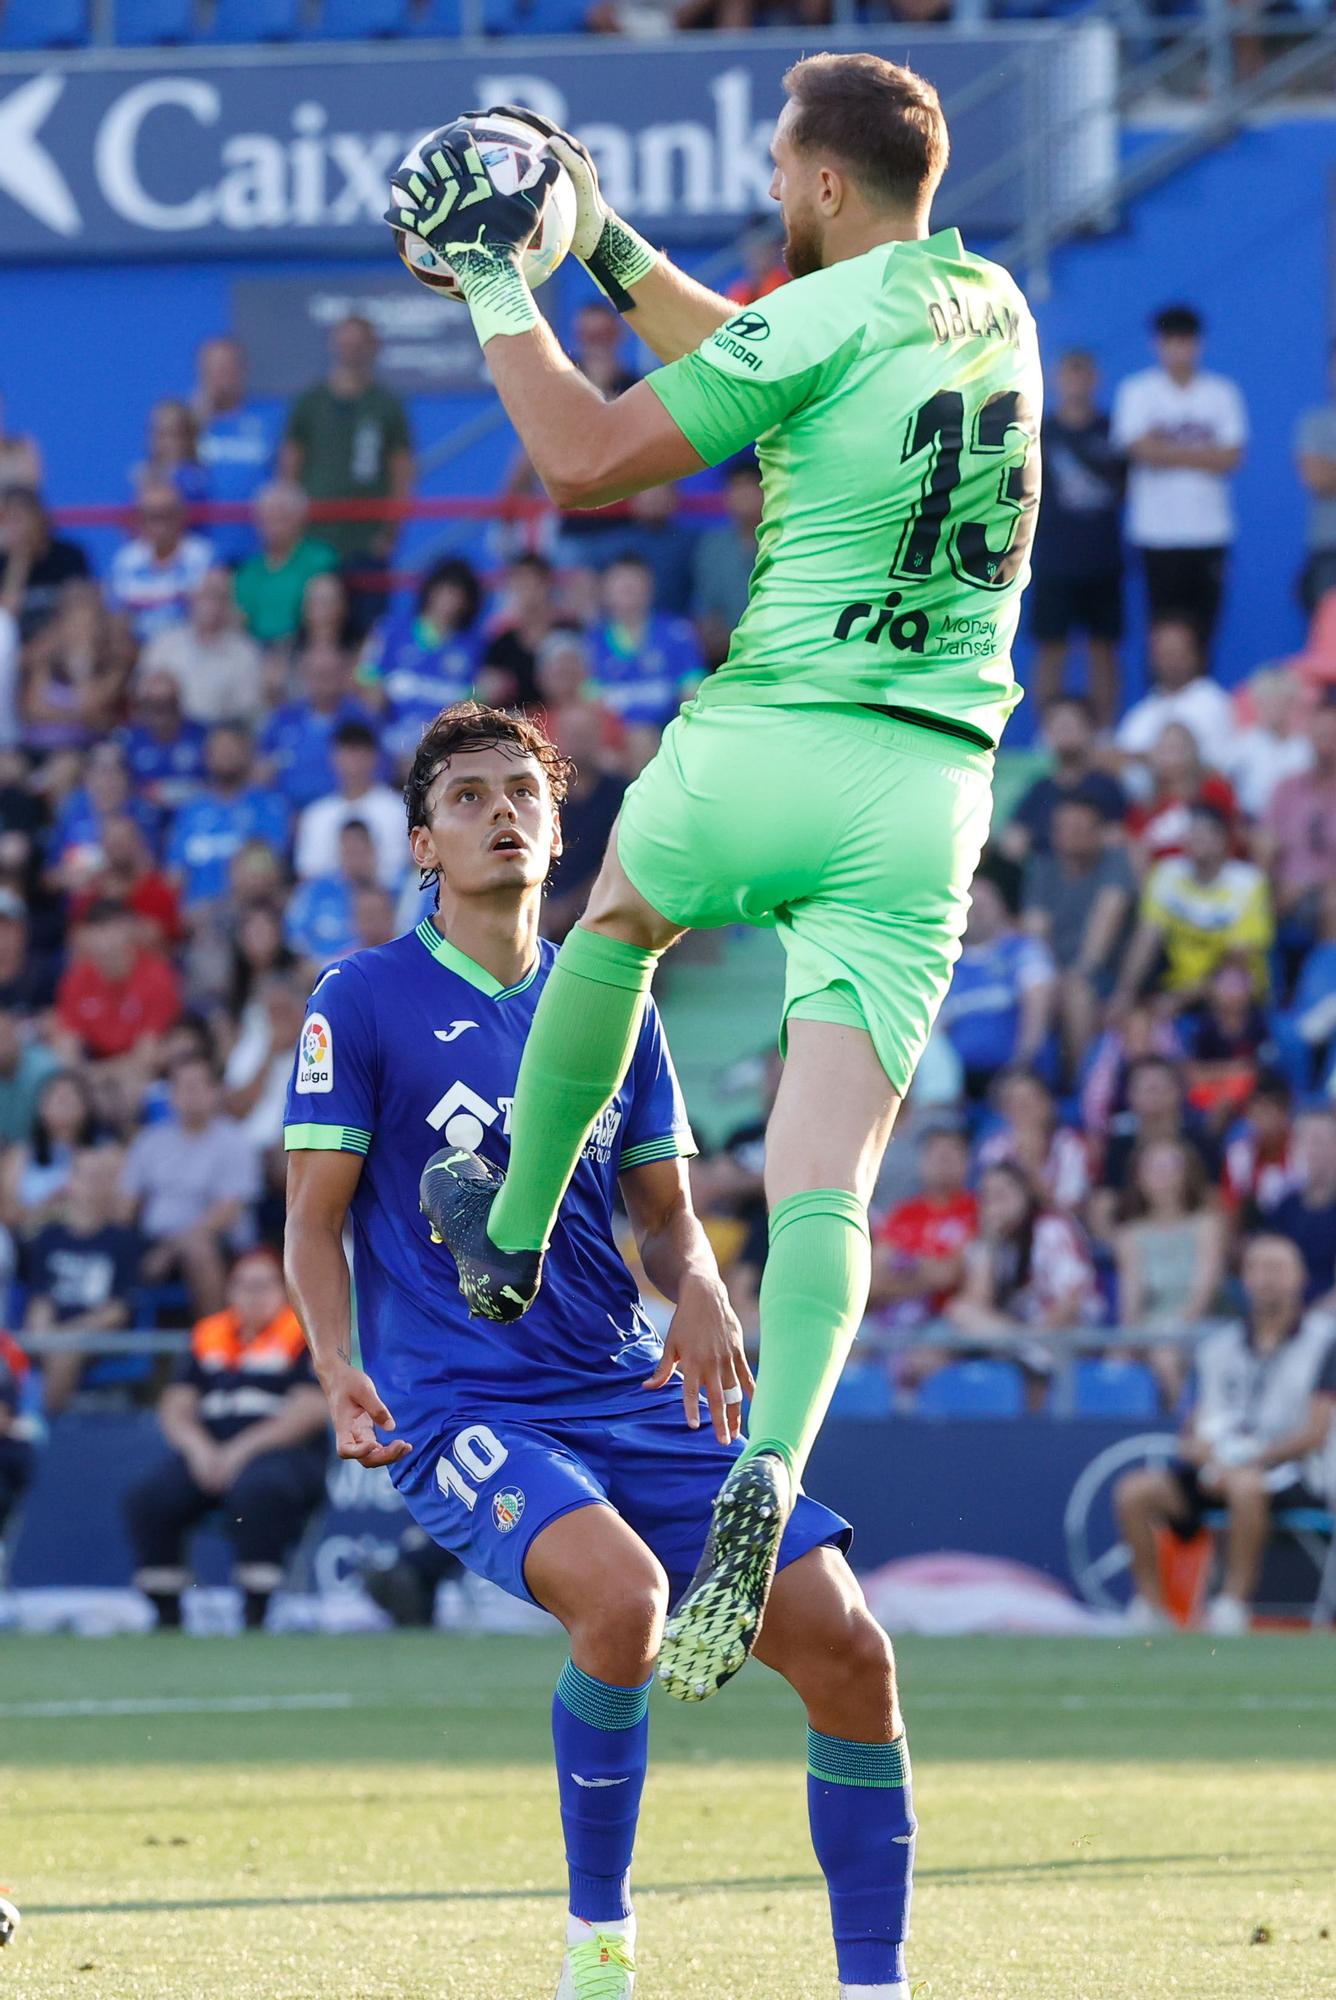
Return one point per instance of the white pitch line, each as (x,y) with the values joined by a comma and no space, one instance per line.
(264,1704)
(223,1704)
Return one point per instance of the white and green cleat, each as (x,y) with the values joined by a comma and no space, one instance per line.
(602,1966)
(713,1629)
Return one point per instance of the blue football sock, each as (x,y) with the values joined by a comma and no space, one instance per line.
(601,1737)
(862,1819)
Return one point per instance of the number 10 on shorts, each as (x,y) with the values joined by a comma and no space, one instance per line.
(480,1453)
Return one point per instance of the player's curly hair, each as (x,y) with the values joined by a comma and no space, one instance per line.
(472,725)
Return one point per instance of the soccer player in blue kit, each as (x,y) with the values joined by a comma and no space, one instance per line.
(558,1456)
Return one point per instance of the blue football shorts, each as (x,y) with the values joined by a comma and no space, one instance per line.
(484,1489)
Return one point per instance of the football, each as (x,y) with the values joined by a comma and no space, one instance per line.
(513,155)
(9,1919)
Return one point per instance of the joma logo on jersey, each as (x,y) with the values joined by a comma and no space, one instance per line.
(907,631)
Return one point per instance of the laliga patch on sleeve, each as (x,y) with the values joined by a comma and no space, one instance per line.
(315,1058)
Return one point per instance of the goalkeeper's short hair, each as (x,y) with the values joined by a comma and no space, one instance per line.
(883,120)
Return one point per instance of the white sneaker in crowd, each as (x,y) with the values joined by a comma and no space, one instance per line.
(1227,1617)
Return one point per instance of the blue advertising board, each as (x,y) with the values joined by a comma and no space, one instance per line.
(910,1487)
(218,152)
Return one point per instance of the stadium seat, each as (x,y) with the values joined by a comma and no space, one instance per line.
(543,17)
(117,1371)
(973,1389)
(255,21)
(162,1305)
(862,1391)
(141,23)
(361,20)
(445,18)
(43,24)
(1113,1389)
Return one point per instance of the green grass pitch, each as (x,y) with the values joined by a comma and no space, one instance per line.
(374,1819)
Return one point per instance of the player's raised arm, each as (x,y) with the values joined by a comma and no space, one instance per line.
(586,451)
(321,1184)
(672,313)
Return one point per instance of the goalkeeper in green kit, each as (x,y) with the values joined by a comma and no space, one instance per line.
(833,778)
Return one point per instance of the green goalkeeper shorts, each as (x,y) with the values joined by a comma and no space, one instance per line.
(855,834)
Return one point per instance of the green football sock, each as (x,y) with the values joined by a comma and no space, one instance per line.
(813,1295)
(579,1048)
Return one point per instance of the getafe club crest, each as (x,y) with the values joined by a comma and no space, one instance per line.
(507,1506)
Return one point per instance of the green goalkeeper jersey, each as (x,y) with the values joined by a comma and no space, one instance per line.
(894,400)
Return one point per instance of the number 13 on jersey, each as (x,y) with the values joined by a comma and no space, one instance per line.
(986,554)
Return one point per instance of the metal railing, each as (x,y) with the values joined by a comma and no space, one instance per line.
(1205,74)
(1048,1353)
(1078,1340)
(875,1349)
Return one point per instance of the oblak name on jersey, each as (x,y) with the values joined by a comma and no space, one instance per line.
(412,1045)
(973,316)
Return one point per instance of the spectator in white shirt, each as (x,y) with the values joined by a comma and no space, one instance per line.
(154,576)
(1180,692)
(216,666)
(255,1079)
(361,796)
(1275,746)
(1183,431)
(1256,1443)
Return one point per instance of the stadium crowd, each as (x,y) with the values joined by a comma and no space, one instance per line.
(201,751)
(29,24)
(64,23)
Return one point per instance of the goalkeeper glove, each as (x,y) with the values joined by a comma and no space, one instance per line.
(610,250)
(479,231)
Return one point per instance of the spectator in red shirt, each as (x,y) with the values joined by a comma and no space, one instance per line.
(1225,1040)
(1259,1166)
(1053,1157)
(918,1248)
(1158,826)
(116,997)
(127,876)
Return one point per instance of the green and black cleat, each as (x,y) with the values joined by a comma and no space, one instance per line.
(713,1629)
(455,1194)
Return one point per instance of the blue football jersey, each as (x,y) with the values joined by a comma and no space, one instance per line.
(413,1046)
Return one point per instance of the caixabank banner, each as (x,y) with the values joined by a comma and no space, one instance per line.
(105,154)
